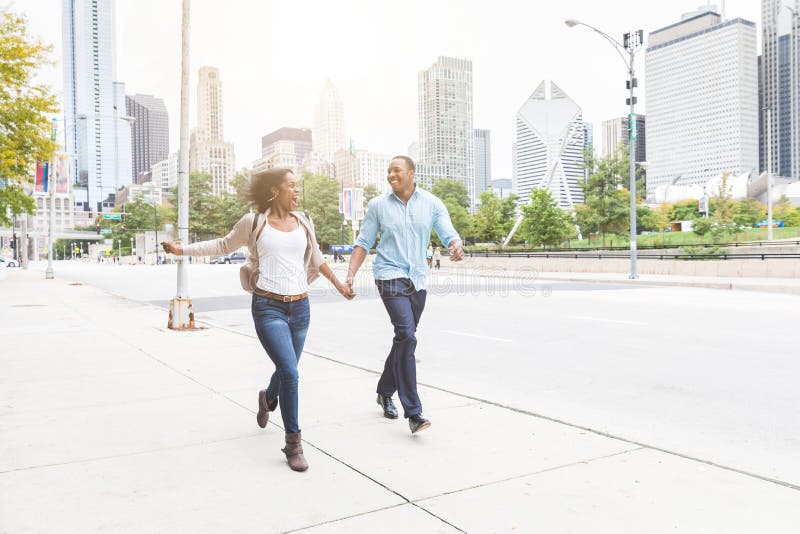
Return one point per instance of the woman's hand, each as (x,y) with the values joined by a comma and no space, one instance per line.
(172,247)
(345,289)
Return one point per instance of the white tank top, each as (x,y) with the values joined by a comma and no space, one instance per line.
(280,261)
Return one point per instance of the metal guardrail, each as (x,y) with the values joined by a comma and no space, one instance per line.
(611,256)
(657,247)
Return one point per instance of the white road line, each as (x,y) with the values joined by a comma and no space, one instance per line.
(605,320)
(490,338)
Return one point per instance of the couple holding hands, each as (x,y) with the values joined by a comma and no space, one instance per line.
(289,260)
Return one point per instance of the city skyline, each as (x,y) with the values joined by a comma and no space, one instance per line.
(378,82)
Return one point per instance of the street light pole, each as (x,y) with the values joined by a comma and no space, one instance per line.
(633,41)
(49,274)
(769,174)
(181,315)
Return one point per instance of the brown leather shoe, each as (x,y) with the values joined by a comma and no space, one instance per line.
(264,407)
(294,452)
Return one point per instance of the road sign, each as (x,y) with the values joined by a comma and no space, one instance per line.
(114,216)
(632,127)
(106,231)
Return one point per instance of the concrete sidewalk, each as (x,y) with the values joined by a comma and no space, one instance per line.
(110,421)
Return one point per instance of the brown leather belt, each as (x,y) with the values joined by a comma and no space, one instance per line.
(282,298)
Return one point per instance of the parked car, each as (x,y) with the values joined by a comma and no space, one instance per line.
(217,259)
(8,262)
(234,257)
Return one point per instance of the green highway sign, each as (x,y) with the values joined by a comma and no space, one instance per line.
(114,216)
(106,231)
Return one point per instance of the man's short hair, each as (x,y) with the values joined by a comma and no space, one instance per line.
(409,162)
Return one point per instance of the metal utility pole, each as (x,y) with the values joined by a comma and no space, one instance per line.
(769,174)
(632,42)
(51,189)
(181,314)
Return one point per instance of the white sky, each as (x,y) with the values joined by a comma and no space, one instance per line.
(274,57)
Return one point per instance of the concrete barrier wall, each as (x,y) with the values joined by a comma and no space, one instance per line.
(728,268)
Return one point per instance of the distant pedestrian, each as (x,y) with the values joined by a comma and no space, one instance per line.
(284,259)
(429,255)
(404,218)
(437,258)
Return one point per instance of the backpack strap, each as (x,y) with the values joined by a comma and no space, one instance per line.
(253,229)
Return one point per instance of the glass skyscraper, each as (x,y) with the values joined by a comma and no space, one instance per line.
(98,135)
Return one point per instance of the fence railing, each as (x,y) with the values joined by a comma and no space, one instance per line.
(656,247)
(612,255)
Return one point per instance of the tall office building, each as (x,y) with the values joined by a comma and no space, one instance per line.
(327,136)
(483,161)
(588,144)
(96,127)
(150,132)
(549,147)
(360,168)
(164,173)
(615,133)
(299,138)
(588,136)
(446,136)
(778,93)
(702,100)
(208,151)
(795,91)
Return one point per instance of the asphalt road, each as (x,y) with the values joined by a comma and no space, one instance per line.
(702,373)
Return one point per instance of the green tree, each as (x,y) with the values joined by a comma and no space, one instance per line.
(447,188)
(606,204)
(749,211)
(544,223)
(646,219)
(725,210)
(227,209)
(781,209)
(203,220)
(793,218)
(322,205)
(685,210)
(370,192)
(508,208)
(488,223)
(702,226)
(460,217)
(662,217)
(25,129)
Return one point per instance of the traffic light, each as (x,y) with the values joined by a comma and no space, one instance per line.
(123,227)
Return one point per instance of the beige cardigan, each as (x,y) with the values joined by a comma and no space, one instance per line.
(239,237)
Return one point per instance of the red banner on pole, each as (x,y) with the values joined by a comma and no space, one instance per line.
(42,168)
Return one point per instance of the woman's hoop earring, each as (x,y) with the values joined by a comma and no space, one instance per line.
(273,198)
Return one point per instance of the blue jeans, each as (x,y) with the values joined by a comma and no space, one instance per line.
(404,304)
(282,329)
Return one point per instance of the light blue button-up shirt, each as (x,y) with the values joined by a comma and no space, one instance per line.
(405,231)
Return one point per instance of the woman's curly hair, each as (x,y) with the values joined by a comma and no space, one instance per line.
(261,191)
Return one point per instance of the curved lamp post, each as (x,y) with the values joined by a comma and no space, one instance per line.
(632,42)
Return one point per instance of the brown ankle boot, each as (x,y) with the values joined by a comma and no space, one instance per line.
(294,452)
